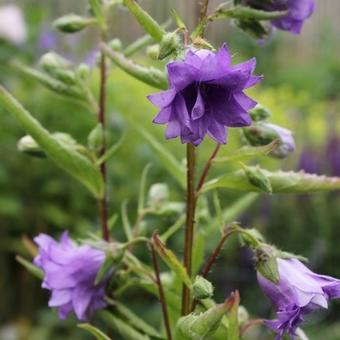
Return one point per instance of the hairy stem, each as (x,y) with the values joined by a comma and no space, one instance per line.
(162,298)
(103,204)
(207,168)
(203,10)
(190,223)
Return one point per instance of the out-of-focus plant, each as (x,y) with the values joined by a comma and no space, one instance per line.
(203,94)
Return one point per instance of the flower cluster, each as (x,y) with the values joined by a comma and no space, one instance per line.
(205,96)
(298,293)
(69,273)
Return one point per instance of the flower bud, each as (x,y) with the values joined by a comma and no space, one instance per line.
(262,133)
(202,288)
(72,23)
(116,44)
(29,146)
(257,178)
(83,71)
(158,195)
(256,29)
(169,44)
(243,316)
(259,113)
(266,262)
(153,51)
(95,137)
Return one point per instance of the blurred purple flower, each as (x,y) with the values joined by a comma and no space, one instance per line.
(298,12)
(47,41)
(298,293)
(69,273)
(333,155)
(309,162)
(205,96)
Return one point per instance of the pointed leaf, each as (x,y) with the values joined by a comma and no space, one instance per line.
(73,162)
(281,182)
(142,191)
(171,260)
(111,151)
(170,163)
(149,75)
(126,222)
(233,324)
(98,334)
(37,272)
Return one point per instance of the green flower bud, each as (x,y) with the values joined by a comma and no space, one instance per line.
(95,137)
(169,44)
(83,71)
(266,262)
(116,44)
(259,113)
(29,146)
(202,288)
(158,195)
(153,51)
(72,23)
(243,316)
(257,178)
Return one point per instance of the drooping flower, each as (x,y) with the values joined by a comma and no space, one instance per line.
(69,273)
(297,12)
(298,293)
(205,96)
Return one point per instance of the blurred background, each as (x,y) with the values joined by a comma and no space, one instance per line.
(301,87)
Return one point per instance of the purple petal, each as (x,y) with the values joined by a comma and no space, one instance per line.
(198,109)
(162,99)
(163,116)
(59,298)
(217,132)
(81,299)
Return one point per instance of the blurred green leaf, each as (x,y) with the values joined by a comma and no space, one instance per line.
(98,334)
(37,272)
(76,164)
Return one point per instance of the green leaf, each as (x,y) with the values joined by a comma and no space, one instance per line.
(126,222)
(67,158)
(148,75)
(173,229)
(98,334)
(233,324)
(198,252)
(37,272)
(104,268)
(111,151)
(244,12)
(179,22)
(145,20)
(136,321)
(281,182)
(142,191)
(171,260)
(249,152)
(170,163)
(126,331)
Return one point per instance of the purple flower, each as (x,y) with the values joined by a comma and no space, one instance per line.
(69,273)
(205,96)
(298,12)
(309,161)
(298,293)
(286,138)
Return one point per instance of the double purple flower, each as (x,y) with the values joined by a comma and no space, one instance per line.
(69,273)
(298,293)
(205,96)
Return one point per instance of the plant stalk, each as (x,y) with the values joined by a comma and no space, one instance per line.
(103,202)
(190,224)
(162,297)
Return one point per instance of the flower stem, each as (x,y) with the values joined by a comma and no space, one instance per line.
(103,204)
(162,298)
(203,10)
(190,222)
(207,168)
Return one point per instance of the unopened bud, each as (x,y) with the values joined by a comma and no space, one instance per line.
(95,137)
(243,316)
(257,178)
(83,71)
(72,23)
(29,146)
(266,263)
(158,194)
(202,288)
(153,51)
(259,113)
(169,44)
(116,44)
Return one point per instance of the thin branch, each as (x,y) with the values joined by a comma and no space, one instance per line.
(207,168)
(162,297)
(203,10)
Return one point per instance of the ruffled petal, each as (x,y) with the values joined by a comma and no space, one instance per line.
(163,115)
(198,109)
(162,99)
(81,298)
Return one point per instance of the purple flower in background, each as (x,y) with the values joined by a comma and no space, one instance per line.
(47,40)
(309,161)
(333,155)
(205,96)
(69,273)
(298,12)
(298,293)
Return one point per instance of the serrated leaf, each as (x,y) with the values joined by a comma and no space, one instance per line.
(245,12)
(136,321)
(98,334)
(171,260)
(148,75)
(145,20)
(67,158)
(124,329)
(249,152)
(170,163)
(281,182)
(37,272)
